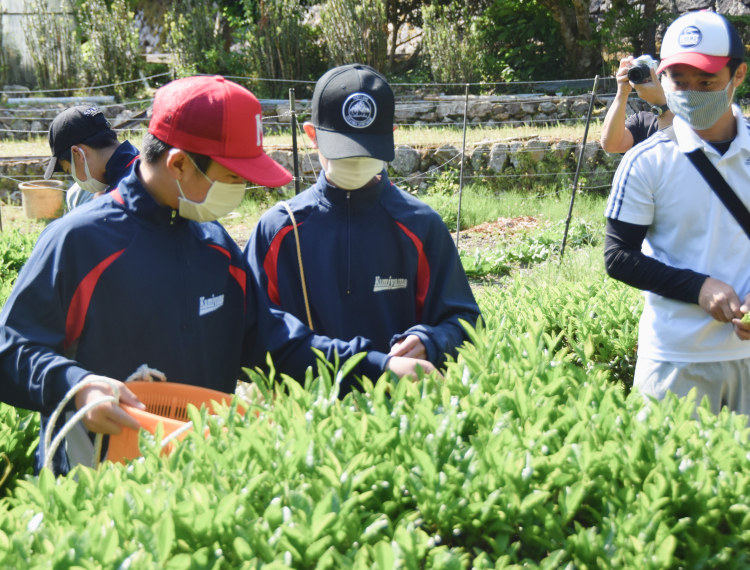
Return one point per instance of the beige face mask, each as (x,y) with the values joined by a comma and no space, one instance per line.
(353,173)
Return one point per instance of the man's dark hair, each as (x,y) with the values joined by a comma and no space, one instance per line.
(152,150)
(733,64)
(98,141)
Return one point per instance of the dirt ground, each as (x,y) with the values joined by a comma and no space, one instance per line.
(491,234)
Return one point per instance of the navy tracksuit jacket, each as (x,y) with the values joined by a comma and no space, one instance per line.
(122,281)
(378,263)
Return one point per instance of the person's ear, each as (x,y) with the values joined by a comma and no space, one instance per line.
(740,74)
(76,156)
(310,132)
(178,163)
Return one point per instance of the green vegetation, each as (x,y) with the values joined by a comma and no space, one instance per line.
(19,435)
(15,248)
(532,452)
(529,249)
(519,458)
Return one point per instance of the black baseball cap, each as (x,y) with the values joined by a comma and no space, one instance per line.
(352,110)
(71,127)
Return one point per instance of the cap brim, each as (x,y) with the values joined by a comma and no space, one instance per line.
(262,170)
(707,63)
(334,145)
(52,167)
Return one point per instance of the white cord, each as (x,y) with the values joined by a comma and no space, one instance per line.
(51,448)
(176,433)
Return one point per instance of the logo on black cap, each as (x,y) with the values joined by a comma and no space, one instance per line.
(93,111)
(690,37)
(359,110)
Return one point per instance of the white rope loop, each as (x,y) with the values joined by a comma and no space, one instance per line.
(51,448)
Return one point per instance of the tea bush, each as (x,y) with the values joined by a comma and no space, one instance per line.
(15,248)
(599,317)
(518,458)
(19,435)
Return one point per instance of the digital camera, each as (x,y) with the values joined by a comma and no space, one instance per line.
(640,70)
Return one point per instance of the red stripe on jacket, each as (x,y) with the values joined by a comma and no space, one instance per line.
(79,305)
(270,264)
(117,196)
(239,274)
(132,162)
(423,271)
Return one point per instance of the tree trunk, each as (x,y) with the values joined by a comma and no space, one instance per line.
(649,34)
(582,56)
(394,40)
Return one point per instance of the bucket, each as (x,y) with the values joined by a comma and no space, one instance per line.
(42,199)
(166,403)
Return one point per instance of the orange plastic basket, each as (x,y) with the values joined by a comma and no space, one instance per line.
(166,403)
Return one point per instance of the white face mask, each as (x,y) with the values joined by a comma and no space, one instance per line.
(221,199)
(353,173)
(91,184)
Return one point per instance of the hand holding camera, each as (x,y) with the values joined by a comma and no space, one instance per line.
(640,74)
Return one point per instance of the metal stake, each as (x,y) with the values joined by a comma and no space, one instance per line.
(463,159)
(295,156)
(578,167)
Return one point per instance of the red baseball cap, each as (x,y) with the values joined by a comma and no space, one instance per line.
(705,40)
(218,118)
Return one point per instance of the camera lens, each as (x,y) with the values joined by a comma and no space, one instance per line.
(639,73)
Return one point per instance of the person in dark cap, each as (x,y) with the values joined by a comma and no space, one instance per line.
(354,255)
(84,145)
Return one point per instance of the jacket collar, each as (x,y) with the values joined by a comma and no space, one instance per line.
(688,140)
(136,199)
(118,164)
(359,199)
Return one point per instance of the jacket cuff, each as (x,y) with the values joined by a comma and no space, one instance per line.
(62,383)
(427,342)
(373,365)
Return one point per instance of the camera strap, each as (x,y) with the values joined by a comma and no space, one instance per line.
(717,183)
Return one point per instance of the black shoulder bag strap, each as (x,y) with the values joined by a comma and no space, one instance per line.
(717,183)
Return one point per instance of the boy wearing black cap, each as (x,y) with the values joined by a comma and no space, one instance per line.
(84,146)
(376,262)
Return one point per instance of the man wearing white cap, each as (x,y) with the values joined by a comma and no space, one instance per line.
(676,236)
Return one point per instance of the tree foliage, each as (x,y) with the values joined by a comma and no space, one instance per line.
(519,41)
(111,53)
(355,31)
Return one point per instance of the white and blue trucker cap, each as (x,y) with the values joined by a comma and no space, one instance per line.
(705,40)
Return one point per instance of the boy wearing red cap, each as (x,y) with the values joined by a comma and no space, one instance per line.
(136,278)
(670,232)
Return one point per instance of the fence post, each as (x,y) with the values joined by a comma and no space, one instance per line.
(463,159)
(578,167)
(295,156)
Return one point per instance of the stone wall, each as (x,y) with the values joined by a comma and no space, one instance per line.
(31,121)
(510,164)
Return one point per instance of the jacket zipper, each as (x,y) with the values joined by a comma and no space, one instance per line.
(348,243)
(184,312)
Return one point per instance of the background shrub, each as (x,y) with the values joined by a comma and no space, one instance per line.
(199,37)
(110,52)
(451,41)
(280,46)
(355,31)
(519,41)
(54,46)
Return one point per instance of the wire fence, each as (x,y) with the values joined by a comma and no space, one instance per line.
(454,152)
